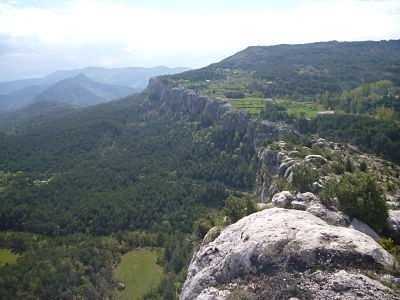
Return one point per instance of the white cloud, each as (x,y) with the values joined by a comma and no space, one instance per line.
(193,38)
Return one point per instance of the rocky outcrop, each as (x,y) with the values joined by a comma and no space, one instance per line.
(283,199)
(393,225)
(211,111)
(364,228)
(268,167)
(278,161)
(281,250)
(330,216)
(311,203)
(277,164)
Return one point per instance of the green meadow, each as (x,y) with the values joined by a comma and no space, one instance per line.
(308,110)
(139,271)
(7,257)
(252,105)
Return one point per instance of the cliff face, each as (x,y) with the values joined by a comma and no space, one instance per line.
(221,113)
(211,111)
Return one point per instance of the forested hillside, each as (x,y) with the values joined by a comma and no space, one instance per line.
(309,69)
(113,168)
(346,91)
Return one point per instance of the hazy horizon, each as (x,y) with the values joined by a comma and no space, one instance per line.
(38,37)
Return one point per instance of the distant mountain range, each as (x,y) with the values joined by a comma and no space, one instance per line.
(79,87)
(82,91)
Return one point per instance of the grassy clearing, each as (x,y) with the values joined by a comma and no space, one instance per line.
(254,105)
(139,272)
(251,105)
(296,108)
(7,257)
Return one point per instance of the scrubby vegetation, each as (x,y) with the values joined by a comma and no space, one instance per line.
(369,133)
(391,247)
(239,207)
(303,178)
(360,197)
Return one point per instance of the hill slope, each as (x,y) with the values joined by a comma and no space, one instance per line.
(33,115)
(20,98)
(308,69)
(82,91)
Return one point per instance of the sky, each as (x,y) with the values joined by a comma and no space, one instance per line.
(41,36)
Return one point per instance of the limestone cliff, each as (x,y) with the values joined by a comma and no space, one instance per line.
(211,111)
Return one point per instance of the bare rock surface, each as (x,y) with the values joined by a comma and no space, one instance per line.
(278,241)
(212,294)
(364,228)
(330,216)
(282,199)
(312,204)
(393,224)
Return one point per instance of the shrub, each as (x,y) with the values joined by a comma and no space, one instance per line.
(234,95)
(338,167)
(239,207)
(349,167)
(303,178)
(240,294)
(274,112)
(283,185)
(328,193)
(202,226)
(363,166)
(390,246)
(360,197)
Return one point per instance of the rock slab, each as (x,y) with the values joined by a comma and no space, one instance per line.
(278,240)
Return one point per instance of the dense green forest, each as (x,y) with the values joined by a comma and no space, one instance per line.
(112,168)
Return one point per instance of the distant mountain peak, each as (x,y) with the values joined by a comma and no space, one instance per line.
(117,83)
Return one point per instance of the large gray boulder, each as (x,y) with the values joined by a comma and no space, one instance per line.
(280,243)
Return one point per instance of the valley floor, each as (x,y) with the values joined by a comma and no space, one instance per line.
(139,272)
